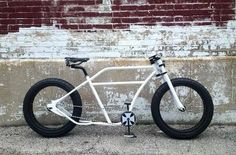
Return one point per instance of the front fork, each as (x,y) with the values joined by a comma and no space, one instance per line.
(159,67)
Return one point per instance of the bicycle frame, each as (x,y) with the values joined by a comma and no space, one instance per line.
(158,70)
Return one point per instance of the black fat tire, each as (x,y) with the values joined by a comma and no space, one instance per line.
(200,126)
(28,107)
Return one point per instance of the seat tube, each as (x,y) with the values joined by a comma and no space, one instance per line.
(98,100)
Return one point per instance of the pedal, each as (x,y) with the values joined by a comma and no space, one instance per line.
(128,119)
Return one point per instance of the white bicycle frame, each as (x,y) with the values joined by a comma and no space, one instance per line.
(158,68)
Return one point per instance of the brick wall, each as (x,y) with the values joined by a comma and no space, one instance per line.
(116,14)
(116,28)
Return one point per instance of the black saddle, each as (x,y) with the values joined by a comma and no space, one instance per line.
(70,60)
(75,63)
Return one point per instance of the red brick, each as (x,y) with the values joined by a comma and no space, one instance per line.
(60,20)
(85,26)
(151,19)
(215,18)
(25,21)
(170,1)
(104,14)
(183,24)
(79,2)
(2,31)
(177,19)
(140,13)
(25,3)
(7,10)
(56,15)
(120,26)
(3,27)
(47,22)
(116,20)
(146,7)
(129,7)
(130,20)
(116,2)
(201,6)
(15,3)
(23,9)
(227,18)
(208,1)
(87,14)
(183,6)
(229,12)
(200,12)
(13,28)
(7,21)
(121,14)
(168,24)
(167,19)
(135,7)
(115,7)
(40,9)
(75,27)
(165,7)
(37,21)
(146,24)
(102,26)
(156,1)
(223,5)
(161,13)
(202,23)
(25,15)
(225,1)
(3,15)
(3,4)
(188,18)
(75,9)
(26,26)
(176,24)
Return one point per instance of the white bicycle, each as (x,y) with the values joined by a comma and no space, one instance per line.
(52,107)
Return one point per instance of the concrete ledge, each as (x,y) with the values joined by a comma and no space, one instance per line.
(218,74)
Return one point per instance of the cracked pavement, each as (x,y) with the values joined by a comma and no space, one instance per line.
(110,140)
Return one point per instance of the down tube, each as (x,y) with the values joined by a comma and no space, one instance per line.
(140,89)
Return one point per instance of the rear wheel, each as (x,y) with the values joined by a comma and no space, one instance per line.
(43,121)
(190,123)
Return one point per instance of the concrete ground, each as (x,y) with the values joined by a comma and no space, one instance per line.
(109,140)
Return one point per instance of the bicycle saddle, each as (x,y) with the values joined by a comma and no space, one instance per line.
(74,60)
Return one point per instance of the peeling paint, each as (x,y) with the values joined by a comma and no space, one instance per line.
(3,110)
(50,42)
(219,96)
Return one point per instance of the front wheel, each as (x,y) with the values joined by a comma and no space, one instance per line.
(178,124)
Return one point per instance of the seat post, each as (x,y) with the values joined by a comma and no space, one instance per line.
(80,67)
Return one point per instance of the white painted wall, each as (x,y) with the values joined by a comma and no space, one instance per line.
(140,41)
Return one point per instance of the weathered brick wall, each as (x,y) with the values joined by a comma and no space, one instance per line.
(116,28)
(117,14)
